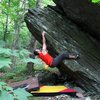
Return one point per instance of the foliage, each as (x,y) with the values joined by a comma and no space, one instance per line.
(4,62)
(96,1)
(18,74)
(31,3)
(13,49)
(8,93)
(22,56)
(15,9)
(25,36)
(48,2)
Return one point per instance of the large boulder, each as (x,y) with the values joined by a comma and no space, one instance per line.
(64,35)
(83,12)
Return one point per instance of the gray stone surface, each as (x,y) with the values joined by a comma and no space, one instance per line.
(64,35)
(83,12)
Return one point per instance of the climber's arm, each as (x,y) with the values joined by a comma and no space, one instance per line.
(44,47)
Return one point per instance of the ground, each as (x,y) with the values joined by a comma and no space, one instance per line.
(21,74)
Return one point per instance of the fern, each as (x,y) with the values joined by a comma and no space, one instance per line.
(20,55)
(24,53)
(26,60)
(5,62)
(5,51)
(7,93)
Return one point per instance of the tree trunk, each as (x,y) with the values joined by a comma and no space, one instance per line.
(6,26)
(33,44)
(15,44)
(16,41)
(31,48)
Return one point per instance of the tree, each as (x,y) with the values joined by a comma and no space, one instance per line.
(33,42)
(6,26)
(18,21)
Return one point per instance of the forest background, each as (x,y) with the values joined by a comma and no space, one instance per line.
(16,44)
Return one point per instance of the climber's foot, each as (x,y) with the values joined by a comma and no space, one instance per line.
(73,56)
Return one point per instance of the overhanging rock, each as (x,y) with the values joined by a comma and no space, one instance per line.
(83,12)
(64,35)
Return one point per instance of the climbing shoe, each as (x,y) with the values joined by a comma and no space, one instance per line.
(73,56)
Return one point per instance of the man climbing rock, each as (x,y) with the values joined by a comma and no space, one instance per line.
(48,59)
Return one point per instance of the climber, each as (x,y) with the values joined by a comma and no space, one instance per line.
(48,59)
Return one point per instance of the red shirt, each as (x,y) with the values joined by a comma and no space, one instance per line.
(47,58)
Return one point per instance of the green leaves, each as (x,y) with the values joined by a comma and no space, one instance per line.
(6,54)
(96,1)
(7,93)
(48,2)
(31,3)
(2,83)
(4,86)
(4,95)
(24,53)
(5,63)
(26,60)
(2,43)
(21,94)
(5,51)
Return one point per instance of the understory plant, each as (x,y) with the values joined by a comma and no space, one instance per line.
(7,93)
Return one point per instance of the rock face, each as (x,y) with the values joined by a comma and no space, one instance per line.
(82,12)
(64,34)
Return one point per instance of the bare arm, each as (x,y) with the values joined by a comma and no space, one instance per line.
(44,47)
